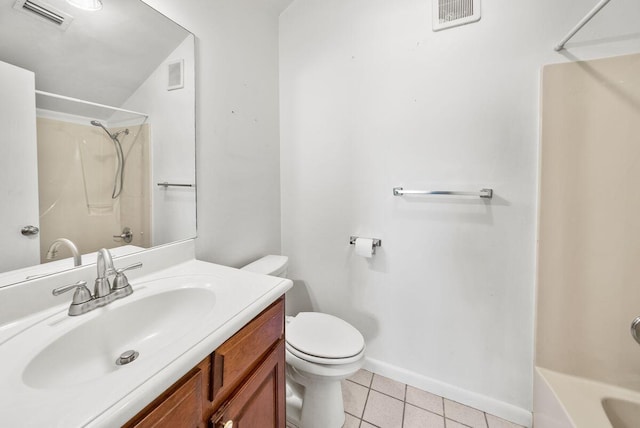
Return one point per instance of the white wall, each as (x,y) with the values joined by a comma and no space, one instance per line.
(236,125)
(171,119)
(371,98)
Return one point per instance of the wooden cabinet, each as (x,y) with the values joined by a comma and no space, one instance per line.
(259,402)
(242,381)
(180,406)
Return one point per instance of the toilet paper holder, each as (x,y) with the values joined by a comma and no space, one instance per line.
(376,242)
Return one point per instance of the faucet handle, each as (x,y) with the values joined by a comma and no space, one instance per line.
(121,281)
(81,295)
(130,267)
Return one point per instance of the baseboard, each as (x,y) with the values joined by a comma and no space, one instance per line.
(490,405)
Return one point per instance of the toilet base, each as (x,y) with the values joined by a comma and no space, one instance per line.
(294,403)
(317,405)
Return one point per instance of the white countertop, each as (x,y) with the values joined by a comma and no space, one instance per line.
(112,399)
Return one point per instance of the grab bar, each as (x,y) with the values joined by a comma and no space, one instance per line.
(483,193)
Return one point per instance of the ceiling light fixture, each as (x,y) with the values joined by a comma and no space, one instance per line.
(91,5)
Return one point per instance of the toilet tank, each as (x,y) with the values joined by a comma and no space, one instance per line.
(269,265)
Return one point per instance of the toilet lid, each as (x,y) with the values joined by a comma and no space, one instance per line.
(322,335)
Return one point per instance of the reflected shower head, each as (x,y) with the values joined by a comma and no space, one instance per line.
(96,123)
(112,136)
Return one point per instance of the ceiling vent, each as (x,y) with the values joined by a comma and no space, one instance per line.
(451,13)
(44,12)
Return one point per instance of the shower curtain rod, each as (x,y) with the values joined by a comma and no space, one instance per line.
(77,100)
(581,24)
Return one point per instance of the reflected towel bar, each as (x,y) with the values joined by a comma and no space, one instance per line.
(165,185)
(484,193)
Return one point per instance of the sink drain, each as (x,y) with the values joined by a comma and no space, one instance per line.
(127,357)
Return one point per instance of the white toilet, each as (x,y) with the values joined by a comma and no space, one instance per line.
(321,350)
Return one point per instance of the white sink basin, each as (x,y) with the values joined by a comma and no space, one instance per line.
(622,413)
(90,350)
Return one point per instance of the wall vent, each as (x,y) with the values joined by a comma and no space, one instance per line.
(175,75)
(451,13)
(44,12)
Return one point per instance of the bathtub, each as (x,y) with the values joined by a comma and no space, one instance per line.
(564,401)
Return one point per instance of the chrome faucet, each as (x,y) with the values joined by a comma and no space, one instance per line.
(103,294)
(102,288)
(635,329)
(53,250)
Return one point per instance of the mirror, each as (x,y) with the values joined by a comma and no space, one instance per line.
(115,132)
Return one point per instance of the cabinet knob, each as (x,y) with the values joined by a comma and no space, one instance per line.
(228,424)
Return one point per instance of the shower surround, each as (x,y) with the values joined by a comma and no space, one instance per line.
(589,234)
(76,171)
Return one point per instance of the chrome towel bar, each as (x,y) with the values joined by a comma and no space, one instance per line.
(484,193)
(165,185)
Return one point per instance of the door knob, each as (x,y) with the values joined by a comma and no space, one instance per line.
(30,230)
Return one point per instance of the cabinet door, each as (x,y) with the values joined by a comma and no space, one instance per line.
(260,402)
(238,356)
(181,408)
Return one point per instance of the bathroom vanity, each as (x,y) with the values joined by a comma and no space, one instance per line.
(209,339)
(241,383)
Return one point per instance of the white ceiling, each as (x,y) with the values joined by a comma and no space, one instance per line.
(102,57)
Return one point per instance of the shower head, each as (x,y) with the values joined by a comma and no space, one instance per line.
(97,123)
(112,136)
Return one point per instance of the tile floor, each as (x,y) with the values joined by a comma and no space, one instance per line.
(374,401)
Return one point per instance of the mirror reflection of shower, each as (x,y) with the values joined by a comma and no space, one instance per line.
(119,178)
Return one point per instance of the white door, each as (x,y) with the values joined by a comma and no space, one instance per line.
(18,168)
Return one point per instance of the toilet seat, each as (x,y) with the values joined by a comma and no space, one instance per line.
(323,339)
(324,361)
